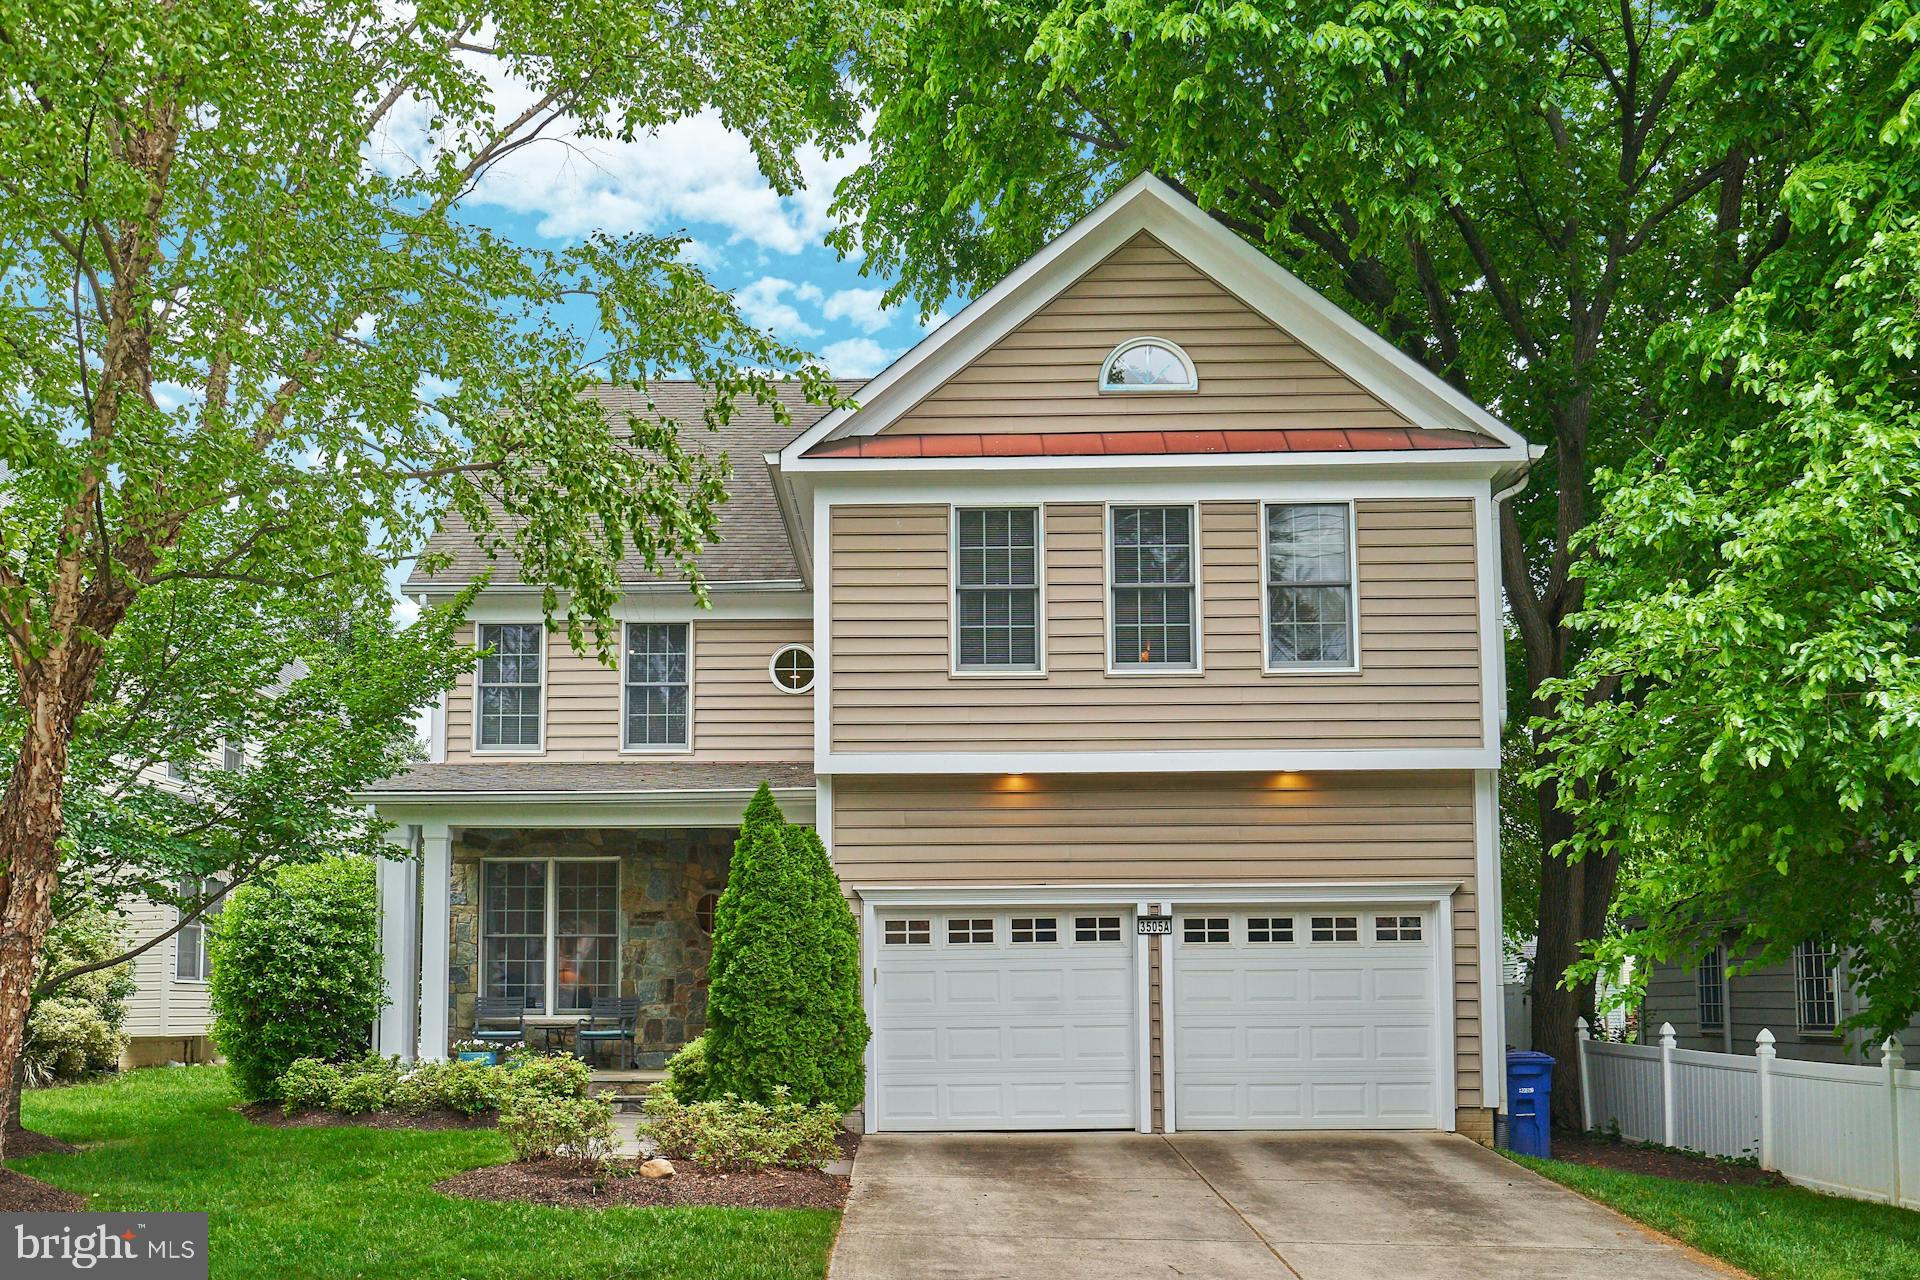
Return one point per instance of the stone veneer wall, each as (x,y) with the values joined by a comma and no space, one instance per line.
(663,950)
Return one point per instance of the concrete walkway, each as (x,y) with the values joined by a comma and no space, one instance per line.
(1228,1207)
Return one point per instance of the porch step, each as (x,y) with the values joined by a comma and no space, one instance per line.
(620,1085)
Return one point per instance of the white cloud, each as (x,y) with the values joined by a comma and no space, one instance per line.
(934,321)
(760,302)
(857,357)
(860,308)
(808,292)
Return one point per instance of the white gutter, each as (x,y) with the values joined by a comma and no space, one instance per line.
(571,797)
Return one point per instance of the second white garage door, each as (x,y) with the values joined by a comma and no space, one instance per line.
(1305,1018)
(1005,1019)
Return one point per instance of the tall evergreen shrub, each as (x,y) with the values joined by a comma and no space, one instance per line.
(296,971)
(784,983)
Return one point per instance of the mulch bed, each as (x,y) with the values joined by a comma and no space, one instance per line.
(581,1184)
(1660,1162)
(21,1194)
(270,1113)
(25,1142)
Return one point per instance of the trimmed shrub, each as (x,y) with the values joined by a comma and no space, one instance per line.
(310,1082)
(731,1133)
(75,1032)
(296,971)
(360,1094)
(468,1087)
(540,1126)
(552,1076)
(687,1072)
(784,993)
(417,1091)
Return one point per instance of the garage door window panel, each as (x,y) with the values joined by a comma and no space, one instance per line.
(1396,929)
(1206,929)
(1270,929)
(1096,929)
(1336,929)
(909,933)
(1035,929)
(969,931)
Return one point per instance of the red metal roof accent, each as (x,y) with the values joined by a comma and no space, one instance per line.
(1079,444)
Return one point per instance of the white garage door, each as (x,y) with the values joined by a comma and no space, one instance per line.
(1004,1019)
(1305,1018)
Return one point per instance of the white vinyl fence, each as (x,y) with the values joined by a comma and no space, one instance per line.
(1849,1130)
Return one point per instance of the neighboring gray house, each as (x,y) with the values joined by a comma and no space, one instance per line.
(1802,1001)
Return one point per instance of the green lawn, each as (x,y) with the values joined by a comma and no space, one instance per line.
(360,1202)
(1776,1233)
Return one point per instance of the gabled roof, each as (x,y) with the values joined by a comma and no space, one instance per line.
(753,545)
(1083,444)
(1147,204)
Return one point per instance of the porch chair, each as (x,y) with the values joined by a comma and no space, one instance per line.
(612,1022)
(498,1009)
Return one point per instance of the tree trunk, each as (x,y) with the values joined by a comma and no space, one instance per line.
(14,1123)
(31,823)
(1567,919)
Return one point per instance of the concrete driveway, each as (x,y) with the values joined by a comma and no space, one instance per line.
(1227,1207)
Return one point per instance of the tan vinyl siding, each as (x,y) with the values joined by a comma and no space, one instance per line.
(1175,828)
(1419,683)
(1044,375)
(738,714)
(161,1004)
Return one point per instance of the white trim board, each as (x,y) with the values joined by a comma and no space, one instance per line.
(1382,760)
(1151,205)
(1424,892)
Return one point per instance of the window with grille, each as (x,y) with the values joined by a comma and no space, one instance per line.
(1310,620)
(903,933)
(1034,929)
(657,681)
(586,931)
(1396,928)
(233,756)
(997,581)
(509,685)
(190,944)
(1335,929)
(1096,929)
(1270,929)
(514,948)
(1152,588)
(1710,982)
(1204,929)
(1816,994)
(792,669)
(970,931)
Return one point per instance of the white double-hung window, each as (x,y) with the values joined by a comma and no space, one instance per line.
(190,943)
(1151,589)
(996,589)
(1311,625)
(659,686)
(1816,994)
(507,701)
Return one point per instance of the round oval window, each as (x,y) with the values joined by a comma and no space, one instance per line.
(792,668)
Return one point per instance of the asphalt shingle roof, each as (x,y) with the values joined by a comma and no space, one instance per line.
(753,545)
(636,776)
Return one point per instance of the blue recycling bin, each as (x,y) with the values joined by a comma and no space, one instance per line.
(1529,1103)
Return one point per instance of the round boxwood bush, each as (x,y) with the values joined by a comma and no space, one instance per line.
(296,971)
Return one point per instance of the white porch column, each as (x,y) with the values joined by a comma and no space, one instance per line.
(399,879)
(436,949)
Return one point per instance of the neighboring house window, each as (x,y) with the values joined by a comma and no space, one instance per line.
(565,911)
(1310,620)
(233,756)
(510,685)
(1148,364)
(658,678)
(792,668)
(998,589)
(1152,590)
(190,944)
(1710,981)
(1815,994)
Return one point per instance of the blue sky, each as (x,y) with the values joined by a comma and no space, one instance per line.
(695,178)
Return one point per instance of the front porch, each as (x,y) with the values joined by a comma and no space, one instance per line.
(550,900)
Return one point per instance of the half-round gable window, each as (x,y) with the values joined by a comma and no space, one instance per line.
(1148,364)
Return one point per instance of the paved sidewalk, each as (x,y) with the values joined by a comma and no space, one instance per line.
(1228,1207)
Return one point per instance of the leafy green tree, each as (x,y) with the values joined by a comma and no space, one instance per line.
(252,340)
(783,988)
(1515,193)
(296,971)
(1754,588)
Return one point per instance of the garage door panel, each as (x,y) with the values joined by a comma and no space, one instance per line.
(999,1034)
(1303,1034)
